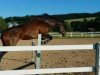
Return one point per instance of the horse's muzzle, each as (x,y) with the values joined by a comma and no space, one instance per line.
(63,35)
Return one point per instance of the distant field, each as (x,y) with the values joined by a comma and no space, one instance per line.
(79,19)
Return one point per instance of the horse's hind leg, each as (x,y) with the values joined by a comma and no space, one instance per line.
(7,43)
(3,53)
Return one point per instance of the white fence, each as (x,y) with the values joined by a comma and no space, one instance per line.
(95,68)
(75,34)
(78,34)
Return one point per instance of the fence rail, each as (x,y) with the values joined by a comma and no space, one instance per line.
(46,48)
(78,34)
(47,71)
(39,48)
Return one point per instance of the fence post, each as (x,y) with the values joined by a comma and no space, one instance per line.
(33,53)
(38,52)
(97,61)
(81,34)
(71,34)
(92,34)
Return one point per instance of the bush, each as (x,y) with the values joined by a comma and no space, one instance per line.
(3,24)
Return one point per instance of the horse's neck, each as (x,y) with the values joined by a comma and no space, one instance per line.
(51,22)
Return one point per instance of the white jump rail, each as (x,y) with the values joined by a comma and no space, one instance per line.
(95,69)
(47,71)
(46,47)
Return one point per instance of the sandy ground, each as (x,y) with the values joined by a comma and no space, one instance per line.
(53,59)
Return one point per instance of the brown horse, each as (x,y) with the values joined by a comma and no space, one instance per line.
(30,30)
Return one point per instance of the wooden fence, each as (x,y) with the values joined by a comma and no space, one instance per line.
(78,34)
(39,48)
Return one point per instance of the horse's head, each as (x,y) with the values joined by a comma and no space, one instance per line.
(59,24)
(55,23)
(60,27)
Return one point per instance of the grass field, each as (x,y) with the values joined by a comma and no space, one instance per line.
(79,19)
(54,59)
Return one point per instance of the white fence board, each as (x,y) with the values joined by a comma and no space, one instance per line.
(46,71)
(51,70)
(78,34)
(42,48)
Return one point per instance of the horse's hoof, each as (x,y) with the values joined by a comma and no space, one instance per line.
(33,44)
(45,42)
(42,42)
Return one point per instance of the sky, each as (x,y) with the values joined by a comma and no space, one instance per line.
(10,8)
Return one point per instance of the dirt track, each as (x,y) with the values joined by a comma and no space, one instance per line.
(50,59)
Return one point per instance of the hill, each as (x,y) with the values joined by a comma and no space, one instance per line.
(58,16)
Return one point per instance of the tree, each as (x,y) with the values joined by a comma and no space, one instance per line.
(97,25)
(67,27)
(83,27)
(3,24)
(75,25)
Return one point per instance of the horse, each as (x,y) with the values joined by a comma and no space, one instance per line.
(30,30)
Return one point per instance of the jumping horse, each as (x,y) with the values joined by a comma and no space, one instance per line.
(30,30)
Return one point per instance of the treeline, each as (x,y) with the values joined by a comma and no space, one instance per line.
(81,26)
(84,26)
(59,16)
(77,15)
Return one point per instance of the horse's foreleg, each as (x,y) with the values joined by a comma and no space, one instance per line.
(33,42)
(46,38)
